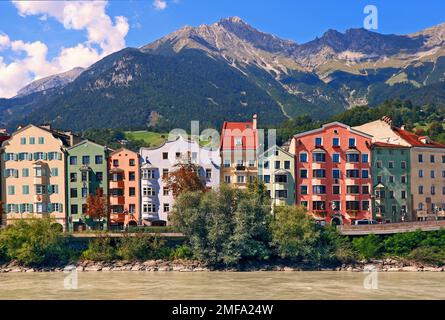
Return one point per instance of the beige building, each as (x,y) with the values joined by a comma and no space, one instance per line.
(34,176)
(427,159)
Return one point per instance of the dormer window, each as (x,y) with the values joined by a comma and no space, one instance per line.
(238,142)
(318,142)
(351,142)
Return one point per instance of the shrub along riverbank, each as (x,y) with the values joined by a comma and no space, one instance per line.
(226,229)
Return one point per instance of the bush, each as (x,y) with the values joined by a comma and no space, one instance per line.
(295,234)
(100,249)
(34,243)
(182,252)
(337,248)
(142,247)
(428,255)
(368,247)
(401,244)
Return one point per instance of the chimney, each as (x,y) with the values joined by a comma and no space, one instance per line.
(255,122)
(424,139)
(387,120)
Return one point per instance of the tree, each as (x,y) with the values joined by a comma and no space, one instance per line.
(294,234)
(435,129)
(368,247)
(97,206)
(185,178)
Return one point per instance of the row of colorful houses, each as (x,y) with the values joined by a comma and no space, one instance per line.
(339,173)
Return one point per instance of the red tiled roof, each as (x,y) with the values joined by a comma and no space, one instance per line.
(388,145)
(414,139)
(3,138)
(243,130)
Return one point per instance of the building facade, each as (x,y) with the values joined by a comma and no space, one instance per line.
(157,200)
(124,188)
(87,173)
(34,174)
(276,168)
(239,153)
(391,177)
(333,173)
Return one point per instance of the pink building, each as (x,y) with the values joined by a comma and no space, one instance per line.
(333,173)
(124,188)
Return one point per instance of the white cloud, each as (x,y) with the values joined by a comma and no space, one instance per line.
(89,16)
(160,4)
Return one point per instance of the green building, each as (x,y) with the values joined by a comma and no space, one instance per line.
(276,168)
(87,172)
(391,182)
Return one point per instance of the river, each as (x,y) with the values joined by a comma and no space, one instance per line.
(222,285)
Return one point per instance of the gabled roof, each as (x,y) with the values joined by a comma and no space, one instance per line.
(123,149)
(89,142)
(63,138)
(414,140)
(243,130)
(327,125)
(274,147)
(389,145)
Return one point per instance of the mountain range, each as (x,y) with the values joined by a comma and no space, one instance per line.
(230,70)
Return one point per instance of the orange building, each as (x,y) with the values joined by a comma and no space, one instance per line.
(124,188)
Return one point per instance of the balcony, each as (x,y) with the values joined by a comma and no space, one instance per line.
(117,184)
(240,168)
(117,200)
(320,214)
(150,216)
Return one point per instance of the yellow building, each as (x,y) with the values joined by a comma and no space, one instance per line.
(34,175)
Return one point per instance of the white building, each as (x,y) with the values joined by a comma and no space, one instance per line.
(157,200)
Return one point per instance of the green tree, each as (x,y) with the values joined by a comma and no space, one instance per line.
(101,248)
(368,247)
(294,234)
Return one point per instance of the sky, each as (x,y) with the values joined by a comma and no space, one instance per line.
(41,38)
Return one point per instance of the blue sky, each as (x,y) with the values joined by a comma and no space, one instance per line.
(63,39)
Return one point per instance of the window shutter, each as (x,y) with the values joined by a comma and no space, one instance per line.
(36,156)
(22,208)
(49,188)
(50,207)
(15,157)
(59,156)
(56,189)
(60,207)
(16,173)
(31,207)
(45,156)
(16,208)
(5,157)
(30,156)
(5,173)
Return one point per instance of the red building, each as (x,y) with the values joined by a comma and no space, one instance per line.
(333,173)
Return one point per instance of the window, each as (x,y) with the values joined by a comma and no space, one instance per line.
(365,174)
(41,140)
(432,158)
(336,173)
(433,190)
(303,173)
(148,192)
(304,204)
(40,208)
(132,176)
(251,163)
(164,173)
(40,189)
(11,190)
(336,158)
(351,142)
(355,174)
(99,159)
(403,194)
(84,192)
(365,158)
(303,157)
(227,179)
(266,178)
(391,179)
(54,172)
(403,164)
(227,163)
(25,189)
(443,159)
(287,164)
(73,160)
(74,209)
(281,178)
(391,164)
(391,194)
(25,172)
(319,157)
(353,189)
(99,176)
(32,140)
(365,205)
(443,191)
(379,179)
(132,162)
(303,190)
(319,173)
(53,189)
(194,155)
(353,205)
(352,157)
(378,164)
(318,205)
(433,174)
(336,205)
(208,173)
(443,174)
(165,155)
(115,163)
(266,164)
(420,173)
(420,189)
(336,189)
(73,193)
(318,142)
(420,158)
(238,142)
(319,189)
(22,140)
(166,207)
(365,189)
(84,176)
(240,179)
(335,142)
(132,191)
(281,194)
(178,155)
(277,164)
(421,206)
(85,160)
(73,177)
(165,191)
(403,179)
